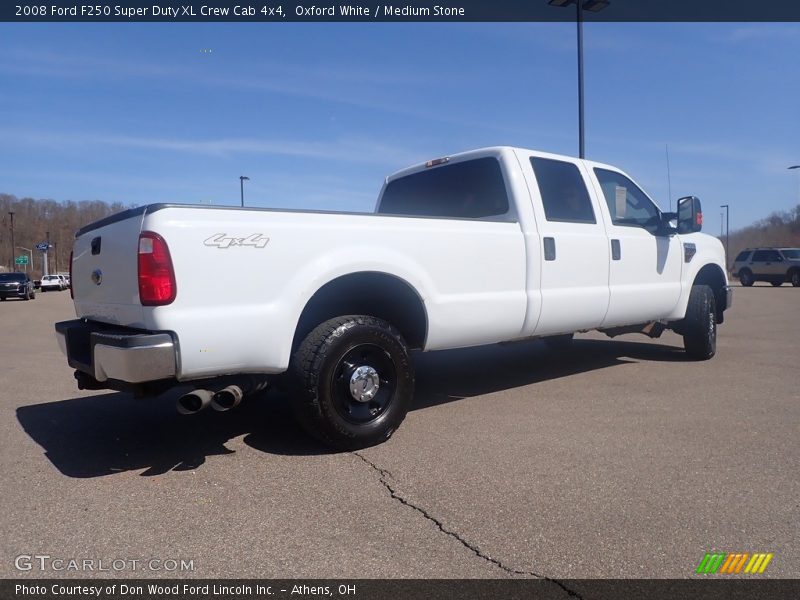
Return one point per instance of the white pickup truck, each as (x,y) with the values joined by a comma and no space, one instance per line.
(481,247)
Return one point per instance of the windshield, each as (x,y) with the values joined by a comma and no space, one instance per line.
(792,253)
(12,276)
(50,277)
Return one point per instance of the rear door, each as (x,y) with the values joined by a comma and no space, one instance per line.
(574,250)
(768,263)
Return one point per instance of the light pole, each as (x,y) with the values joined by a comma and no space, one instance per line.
(29,251)
(581,5)
(727,230)
(798,181)
(13,245)
(242,179)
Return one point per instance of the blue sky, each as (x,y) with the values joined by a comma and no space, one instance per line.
(316,114)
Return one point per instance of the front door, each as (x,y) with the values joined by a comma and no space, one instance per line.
(645,274)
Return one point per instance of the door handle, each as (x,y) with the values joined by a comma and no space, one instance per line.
(616,251)
(549,248)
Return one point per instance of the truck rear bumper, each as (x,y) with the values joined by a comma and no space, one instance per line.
(108,352)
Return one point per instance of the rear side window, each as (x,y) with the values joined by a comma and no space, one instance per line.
(469,189)
(564,194)
(765,255)
(743,256)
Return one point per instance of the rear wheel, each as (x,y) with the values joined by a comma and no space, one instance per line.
(699,327)
(746,278)
(353,382)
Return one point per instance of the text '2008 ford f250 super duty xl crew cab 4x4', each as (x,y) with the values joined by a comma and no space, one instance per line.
(482,247)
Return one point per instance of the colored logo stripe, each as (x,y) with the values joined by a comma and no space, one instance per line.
(734,562)
(711,562)
(758,563)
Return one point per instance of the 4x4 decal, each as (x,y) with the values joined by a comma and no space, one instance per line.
(223,240)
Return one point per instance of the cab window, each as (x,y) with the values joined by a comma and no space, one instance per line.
(564,194)
(627,204)
(471,189)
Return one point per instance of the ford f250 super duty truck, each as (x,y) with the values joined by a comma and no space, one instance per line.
(481,247)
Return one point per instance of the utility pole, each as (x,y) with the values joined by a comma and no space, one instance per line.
(13,245)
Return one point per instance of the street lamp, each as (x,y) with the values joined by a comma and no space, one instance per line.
(242,179)
(798,180)
(592,6)
(13,245)
(727,230)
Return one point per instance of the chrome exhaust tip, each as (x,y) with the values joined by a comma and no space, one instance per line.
(227,398)
(194,402)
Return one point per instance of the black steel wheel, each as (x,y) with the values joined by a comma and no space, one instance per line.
(353,382)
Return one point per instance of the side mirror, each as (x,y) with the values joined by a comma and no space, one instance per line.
(690,214)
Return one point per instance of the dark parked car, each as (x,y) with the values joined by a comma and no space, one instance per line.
(16,285)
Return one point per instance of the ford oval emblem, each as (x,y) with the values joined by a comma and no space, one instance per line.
(97,276)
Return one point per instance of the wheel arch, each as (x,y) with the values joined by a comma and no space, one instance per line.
(374,293)
(713,276)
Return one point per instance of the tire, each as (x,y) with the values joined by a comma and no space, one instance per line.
(27,296)
(699,327)
(746,278)
(327,369)
(559,343)
(3,298)
(776,283)
(795,278)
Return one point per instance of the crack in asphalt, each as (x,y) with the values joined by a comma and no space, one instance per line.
(385,474)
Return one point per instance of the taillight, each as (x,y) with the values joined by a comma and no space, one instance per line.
(71,289)
(156,276)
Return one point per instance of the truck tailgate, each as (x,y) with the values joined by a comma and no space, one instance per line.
(105,270)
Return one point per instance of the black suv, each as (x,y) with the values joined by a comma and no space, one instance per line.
(16,285)
(775,265)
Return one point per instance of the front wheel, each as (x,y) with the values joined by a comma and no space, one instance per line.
(795,278)
(353,382)
(699,327)
(746,278)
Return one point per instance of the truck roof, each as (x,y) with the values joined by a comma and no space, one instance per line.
(486,151)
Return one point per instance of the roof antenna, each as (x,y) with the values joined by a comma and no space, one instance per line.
(669,179)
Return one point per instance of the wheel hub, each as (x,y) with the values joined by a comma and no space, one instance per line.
(364,383)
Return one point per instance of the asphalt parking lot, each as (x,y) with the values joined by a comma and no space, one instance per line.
(617,459)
